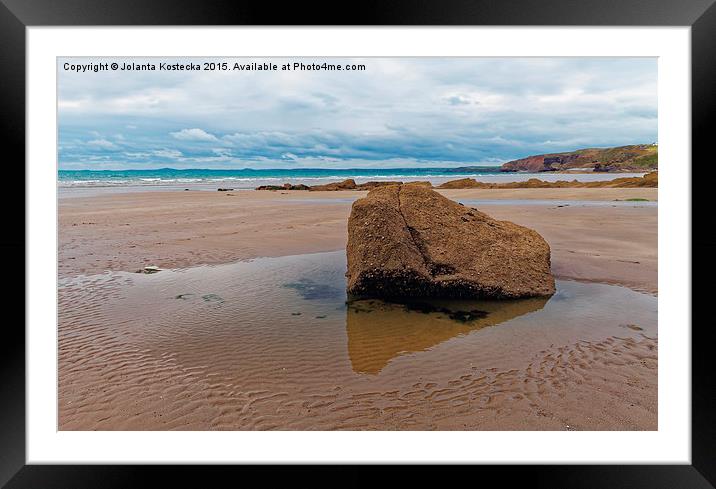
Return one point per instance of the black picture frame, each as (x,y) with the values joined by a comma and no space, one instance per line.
(16,15)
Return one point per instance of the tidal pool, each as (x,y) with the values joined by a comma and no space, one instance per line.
(271,344)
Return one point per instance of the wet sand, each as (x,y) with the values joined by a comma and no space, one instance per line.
(270,344)
(183,229)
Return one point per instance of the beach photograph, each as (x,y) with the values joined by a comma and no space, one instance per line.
(361,244)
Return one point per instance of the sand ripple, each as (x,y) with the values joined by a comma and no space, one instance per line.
(231,348)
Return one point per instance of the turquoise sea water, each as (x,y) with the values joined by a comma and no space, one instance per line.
(247,174)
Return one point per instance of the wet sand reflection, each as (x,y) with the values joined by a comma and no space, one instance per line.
(379,331)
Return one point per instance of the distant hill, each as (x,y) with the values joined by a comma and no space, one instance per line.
(638,157)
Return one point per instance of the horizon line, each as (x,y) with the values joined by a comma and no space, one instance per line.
(289,169)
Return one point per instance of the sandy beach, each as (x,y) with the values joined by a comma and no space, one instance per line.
(246,327)
(127,231)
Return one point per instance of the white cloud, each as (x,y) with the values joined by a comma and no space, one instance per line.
(168,153)
(66,104)
(221,151)
(194,134)
(102,143)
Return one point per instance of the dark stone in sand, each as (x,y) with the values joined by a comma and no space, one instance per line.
(408,241)
(149,269)
(225,189)
(285,186)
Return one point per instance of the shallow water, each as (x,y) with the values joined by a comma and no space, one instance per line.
(272,344)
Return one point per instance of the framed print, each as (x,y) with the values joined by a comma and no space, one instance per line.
(423,235)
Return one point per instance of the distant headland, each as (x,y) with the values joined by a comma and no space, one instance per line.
(634,158)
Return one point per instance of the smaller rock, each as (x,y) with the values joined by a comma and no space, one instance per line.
(348,184)
(285,186)
(371,185)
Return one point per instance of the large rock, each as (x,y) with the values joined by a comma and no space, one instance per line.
(408,241)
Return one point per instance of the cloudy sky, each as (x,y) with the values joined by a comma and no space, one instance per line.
(398,112)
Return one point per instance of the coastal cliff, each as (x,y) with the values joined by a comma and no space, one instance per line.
(639,157)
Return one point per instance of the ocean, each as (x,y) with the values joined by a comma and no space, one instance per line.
(203,179)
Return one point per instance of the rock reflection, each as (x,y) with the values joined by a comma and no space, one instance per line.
(379,331)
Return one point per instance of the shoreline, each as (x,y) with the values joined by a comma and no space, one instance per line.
(245,183)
